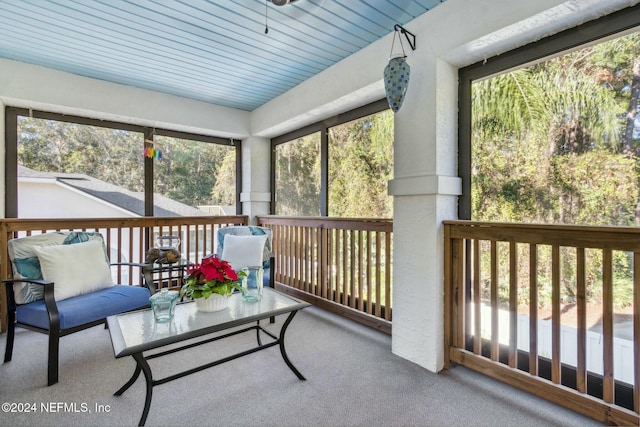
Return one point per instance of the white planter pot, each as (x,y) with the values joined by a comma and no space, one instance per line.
(215,302)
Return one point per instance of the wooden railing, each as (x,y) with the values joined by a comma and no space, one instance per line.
(492,269)
(342,265)
(127,239)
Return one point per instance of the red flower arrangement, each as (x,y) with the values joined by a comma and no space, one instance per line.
(211,276)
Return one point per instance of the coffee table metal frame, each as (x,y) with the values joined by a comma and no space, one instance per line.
(134,333)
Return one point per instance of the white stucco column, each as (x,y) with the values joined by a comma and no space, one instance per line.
(256,163)
(425,189)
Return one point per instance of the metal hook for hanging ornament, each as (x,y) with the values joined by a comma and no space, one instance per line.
(407,33)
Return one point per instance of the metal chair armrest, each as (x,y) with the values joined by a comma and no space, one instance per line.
(41,282)
(130,264)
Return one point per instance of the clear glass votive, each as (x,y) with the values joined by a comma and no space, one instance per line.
(163,304)
(252,284)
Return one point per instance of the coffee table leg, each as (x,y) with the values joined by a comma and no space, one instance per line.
(142,364)
(282,349)
(258,333)
(129,383)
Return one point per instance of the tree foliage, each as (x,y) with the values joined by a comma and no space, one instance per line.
(360,164)
(112,155)
(548,141)
(551,144)
(190,172)
(298,177)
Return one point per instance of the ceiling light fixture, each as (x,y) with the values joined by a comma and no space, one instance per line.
(282,2)
(266,10)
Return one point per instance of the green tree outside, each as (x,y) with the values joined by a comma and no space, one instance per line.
(552,144)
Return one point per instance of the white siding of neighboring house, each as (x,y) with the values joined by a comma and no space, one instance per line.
(47,198)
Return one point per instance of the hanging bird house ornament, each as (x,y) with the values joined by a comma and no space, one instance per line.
(397,72)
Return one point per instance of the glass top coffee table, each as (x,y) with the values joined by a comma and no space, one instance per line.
(134,333)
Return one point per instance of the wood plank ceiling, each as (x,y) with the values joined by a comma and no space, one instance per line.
(209,50)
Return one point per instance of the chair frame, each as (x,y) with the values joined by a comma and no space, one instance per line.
(54,332)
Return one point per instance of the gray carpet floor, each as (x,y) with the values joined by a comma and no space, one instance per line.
(353,379)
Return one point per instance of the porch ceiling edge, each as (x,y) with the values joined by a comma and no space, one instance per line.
(426,185)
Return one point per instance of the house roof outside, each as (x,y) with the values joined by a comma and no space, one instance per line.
(131,201)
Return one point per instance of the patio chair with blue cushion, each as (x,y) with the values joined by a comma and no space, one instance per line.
(62,283)
(247,246)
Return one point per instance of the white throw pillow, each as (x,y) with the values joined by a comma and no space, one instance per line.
(243,251)
(75,269)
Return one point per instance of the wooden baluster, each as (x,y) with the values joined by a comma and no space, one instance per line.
(322,250)
(533,309)
(326,264)
(185,242)
(311,260)
(298,233)
(555,314)
(360,270)
(275,251)
(345,267)
(131,250)
(290,256)
(301,258)
(607,326)
(453,327)
(477,302)
(300,248)
(513,305)
(581,368)
(196,237)
(378,274)
(367,269)
(636,331)
(119,246)
(387,275)
(338,265)
(319,262)
(448,291)
(352,269)
(495,344)
(286,255)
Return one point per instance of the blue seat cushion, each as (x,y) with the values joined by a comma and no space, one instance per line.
(86,308)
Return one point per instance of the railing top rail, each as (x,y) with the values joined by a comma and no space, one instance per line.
(25,224)
(582,236)
(367,224)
